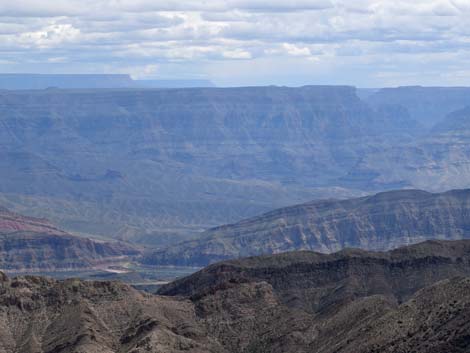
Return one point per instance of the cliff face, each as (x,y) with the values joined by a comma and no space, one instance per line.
(156,165)
(353,301)
(379,222)
(321,279)
(14,222)
(28,243)
(427,105)
(436,161)
(140,161)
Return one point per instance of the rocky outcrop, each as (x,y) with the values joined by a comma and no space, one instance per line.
(414,299)
(379,222)
(44,315)
(397,273)
(32,244)
(410,299)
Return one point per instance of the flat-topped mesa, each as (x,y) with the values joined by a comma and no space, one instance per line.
(43,81)
(89,81)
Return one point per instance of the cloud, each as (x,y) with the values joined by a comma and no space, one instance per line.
(236,54)
(194,38)
(29,8)
(295,50)
(224,5)
(280,5)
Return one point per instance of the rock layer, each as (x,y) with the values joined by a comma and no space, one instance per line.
(379,222)
(140,163)
(411,299)
(414,299)
(32,244)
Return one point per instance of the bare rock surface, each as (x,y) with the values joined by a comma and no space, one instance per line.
(33,244)
(414,299)
(378,222)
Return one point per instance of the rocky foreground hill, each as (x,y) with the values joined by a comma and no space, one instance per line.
(378,222)
(414,299)
(33,244)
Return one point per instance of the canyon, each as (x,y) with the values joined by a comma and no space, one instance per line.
(157,167)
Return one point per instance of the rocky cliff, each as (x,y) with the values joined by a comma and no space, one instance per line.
(379,222)
(139,163)
(436,161)
(157,166)
(32,244)
(427,105)
(414,299)
(410,299)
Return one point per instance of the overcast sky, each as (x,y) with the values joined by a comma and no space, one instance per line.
(367,43)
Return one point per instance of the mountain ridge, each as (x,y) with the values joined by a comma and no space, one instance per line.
(157,166)
(188,158)
(32,244)
(411,299)
(378,222)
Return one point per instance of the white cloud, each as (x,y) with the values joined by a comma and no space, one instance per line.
(236,54)
(41,8)
(193,37)
(49,36)
(295,50)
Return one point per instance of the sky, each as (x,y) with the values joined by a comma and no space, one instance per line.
(366,43)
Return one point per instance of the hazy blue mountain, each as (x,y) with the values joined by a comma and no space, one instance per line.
(173,83)
(84,81)
(427,105)
(438,160)
(379,222)
(43,81)
(365,93)
(157,165)
(132,162)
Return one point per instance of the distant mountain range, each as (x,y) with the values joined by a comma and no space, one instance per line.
(157,166)
(427,105)
(414,299)
(379,222)
(32,244)
(90,81)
